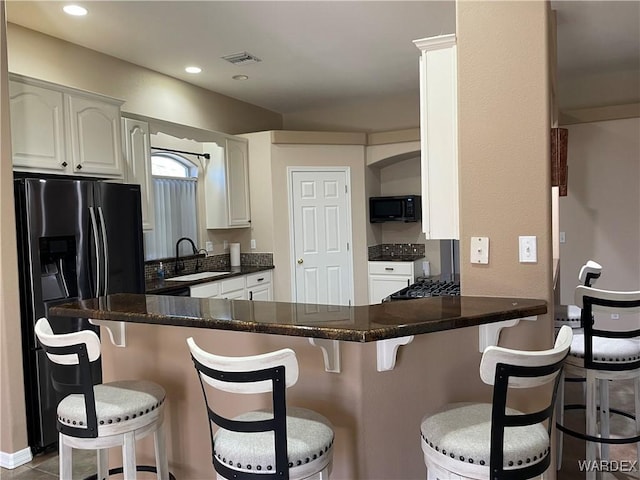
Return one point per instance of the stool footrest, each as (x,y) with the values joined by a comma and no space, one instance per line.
(591,438)
(139,468)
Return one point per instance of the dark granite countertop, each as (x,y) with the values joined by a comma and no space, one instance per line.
(356,324)
(168,286)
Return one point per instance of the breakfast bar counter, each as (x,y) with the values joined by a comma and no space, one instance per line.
(375,412)
(364,323)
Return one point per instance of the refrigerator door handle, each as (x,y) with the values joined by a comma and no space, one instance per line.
(105,247)
(94,227)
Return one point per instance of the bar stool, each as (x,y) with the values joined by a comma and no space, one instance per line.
(97,417)
(601,356)
(282,443)
(571,315)
(491,440)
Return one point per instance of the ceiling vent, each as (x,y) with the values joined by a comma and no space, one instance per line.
(242,58)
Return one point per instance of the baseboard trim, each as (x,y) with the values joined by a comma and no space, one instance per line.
(14,460)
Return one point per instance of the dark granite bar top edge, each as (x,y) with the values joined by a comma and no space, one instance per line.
(168,286)
(373,322)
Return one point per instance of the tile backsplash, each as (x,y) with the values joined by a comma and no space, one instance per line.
(200,263)
(396,249)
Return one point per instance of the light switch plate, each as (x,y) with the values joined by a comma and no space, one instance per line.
(480,250)
(528,249)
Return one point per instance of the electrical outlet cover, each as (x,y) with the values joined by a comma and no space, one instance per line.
(480,250)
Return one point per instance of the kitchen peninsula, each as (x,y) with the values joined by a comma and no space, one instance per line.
(376,414)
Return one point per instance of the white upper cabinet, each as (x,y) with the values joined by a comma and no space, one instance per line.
(37,127)
(439,137)
(227,185)
(94,131)
(59,130)
(137,160)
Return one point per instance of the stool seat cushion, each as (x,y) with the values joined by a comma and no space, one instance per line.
(309,436)
(606,350)
(462,431)
(117,405)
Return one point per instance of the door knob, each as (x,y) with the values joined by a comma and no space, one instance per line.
(300,261)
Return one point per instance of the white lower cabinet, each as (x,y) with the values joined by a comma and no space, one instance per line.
(205,290)
(233,288)
(254,286)
(386,278)
(259,286)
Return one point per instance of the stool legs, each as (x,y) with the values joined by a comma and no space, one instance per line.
(65,453)
(591,423)
(103,463)
(605,429)
(129,456)
(560,420)
(162,465)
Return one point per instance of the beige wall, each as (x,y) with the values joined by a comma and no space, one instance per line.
(145,92)
(599,215)
(386,113)
(504,121)
(597,89)
(13,433)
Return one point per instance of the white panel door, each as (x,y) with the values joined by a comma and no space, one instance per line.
(321,235)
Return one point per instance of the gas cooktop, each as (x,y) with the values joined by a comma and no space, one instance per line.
(428,287)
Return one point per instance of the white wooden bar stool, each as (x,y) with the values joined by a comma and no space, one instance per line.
(491,440)
(571,315)
(98,417)
(279,443)
(602,355)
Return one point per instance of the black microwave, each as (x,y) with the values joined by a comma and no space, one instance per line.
(404,208)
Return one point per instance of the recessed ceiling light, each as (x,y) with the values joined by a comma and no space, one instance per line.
(193,69)
(240,77)
(75,10)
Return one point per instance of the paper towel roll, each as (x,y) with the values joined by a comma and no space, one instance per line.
(234,250)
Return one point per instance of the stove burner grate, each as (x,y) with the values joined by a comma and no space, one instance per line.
(425,287)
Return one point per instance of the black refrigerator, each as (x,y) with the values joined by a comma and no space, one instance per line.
(77,239)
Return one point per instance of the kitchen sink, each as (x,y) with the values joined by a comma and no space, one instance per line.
(196,276)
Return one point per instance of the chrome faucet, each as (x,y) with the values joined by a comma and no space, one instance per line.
(179,265)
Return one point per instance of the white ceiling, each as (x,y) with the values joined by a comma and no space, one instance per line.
(313,52)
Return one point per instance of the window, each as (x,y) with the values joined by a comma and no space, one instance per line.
(175,183)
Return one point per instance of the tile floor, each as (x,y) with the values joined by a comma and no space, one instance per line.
(45,466)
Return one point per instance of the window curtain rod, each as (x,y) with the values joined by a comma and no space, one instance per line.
(205,155)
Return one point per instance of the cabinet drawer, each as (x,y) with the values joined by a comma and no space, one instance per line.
(391,268)
(232,285)
(205,290)
(258,278)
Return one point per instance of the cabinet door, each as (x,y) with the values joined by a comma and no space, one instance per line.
(205,290)
(263,292)
(94,135)
(137,159)
(381,286)
(37,128)
(439,137)
(235,295)
(237,163)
